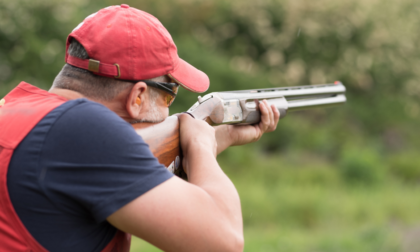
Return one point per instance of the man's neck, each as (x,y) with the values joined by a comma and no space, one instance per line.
(66,93)
(72,95)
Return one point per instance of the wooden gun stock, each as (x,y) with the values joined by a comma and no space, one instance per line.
(163,141)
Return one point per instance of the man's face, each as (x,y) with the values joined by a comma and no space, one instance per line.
(157,109)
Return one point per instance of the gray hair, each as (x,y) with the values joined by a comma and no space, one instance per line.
(89,84)
(77,50)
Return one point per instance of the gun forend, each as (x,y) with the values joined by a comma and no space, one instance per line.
(240,107)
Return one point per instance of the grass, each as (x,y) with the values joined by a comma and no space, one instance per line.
(138,244)
(305,205)
(299,219)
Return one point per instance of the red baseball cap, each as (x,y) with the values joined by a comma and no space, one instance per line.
(130,44)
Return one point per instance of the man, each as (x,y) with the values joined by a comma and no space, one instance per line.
(76,177)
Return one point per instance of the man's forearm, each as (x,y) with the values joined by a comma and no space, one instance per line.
(204,171)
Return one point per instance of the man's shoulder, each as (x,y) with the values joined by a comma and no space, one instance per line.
(86,108)
(86,122)
(81,114)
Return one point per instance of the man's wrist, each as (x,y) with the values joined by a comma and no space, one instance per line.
(231,135)
(224,136)
(198,145)
(200,155)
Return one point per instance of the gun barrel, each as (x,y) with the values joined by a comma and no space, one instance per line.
(315,102)
(322,89)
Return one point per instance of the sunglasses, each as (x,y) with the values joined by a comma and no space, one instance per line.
(171,89)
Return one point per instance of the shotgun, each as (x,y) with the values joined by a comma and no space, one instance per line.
(234,107)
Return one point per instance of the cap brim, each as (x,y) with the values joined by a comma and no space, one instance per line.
(190,77)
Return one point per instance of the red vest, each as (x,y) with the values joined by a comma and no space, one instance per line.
(23,108)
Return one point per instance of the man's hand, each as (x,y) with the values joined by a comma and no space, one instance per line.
(195,133)
(231,135)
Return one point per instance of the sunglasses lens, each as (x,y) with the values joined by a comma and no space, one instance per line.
(175,89)
(169,99)
(170,90)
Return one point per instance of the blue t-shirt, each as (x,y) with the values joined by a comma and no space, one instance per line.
(80,164)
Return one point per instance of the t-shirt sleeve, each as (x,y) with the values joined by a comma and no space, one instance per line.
(92,159)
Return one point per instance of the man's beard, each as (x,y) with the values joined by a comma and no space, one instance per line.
(154,115)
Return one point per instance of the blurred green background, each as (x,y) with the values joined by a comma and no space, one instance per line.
(334,179)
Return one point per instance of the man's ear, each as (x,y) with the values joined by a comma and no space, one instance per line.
(136,100)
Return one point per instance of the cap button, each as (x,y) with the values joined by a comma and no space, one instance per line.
(126,6)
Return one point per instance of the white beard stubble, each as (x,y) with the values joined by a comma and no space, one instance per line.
(154,115)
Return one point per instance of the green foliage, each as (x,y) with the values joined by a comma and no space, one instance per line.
(361,166)
(406,166)
(375,239)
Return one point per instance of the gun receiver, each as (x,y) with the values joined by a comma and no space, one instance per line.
(234,107)
(240,107)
